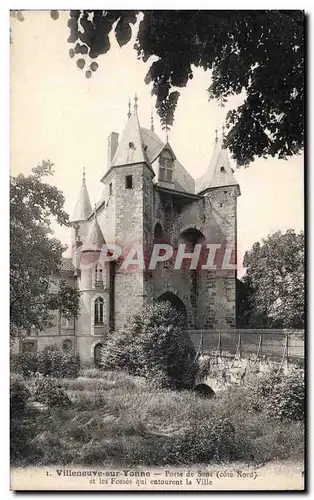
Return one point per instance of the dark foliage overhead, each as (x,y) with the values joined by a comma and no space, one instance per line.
(259,53)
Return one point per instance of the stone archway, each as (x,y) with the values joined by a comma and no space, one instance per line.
(191,237)
(175,301)
(204,391)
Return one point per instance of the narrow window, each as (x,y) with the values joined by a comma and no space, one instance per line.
(162,174)
(128,182)
(110,189)
(98,274)
(166,166)
(99,311)
(169,175)
(64,322)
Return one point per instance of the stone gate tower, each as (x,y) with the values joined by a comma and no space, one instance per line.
(149,198)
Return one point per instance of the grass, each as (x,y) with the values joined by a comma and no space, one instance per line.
(116,419)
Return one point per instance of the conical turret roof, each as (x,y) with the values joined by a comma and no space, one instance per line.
(83,207)
(95,239)
(219,172)
(131,148)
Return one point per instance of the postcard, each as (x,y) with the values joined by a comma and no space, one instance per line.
(157,308)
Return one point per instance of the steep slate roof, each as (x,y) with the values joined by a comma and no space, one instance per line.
(83,206)
(95,239)
(219,172)
(153,143)
(131,149)
(67,264)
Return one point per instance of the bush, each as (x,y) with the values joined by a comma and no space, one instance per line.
(56,363)
(91,373)
(19,431)
(286,400)
(19,395)
(156,346)
(51,361)
(49,391)
(24,363)
(281,396)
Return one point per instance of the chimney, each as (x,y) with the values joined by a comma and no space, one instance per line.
(112,147)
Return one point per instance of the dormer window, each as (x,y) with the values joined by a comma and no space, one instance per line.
(166,167)
(222,169)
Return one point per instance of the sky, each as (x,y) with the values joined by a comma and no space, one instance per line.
(58,114)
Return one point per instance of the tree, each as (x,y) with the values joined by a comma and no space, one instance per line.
(244,304)
(154,345)
(275,275)
(257,53)
(35,256)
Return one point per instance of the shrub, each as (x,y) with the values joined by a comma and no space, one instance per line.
(19,430)
(51,361)
(154,345)
(24,363)
(49,391)
(286,400)
(19,395)
(281,396)
(56,363)
(91,373)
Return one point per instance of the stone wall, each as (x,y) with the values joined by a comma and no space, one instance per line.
(274,344)
(209,296)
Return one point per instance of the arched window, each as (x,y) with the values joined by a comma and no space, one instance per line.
(191,237)
(99,311)
(166,166)
(67,345)
(28,346)
(97,355)
(99,275)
